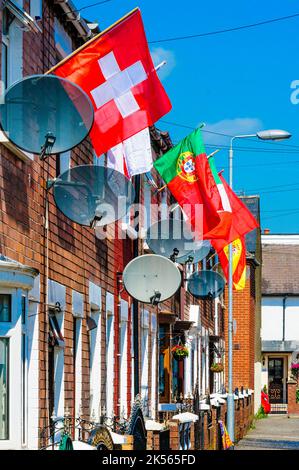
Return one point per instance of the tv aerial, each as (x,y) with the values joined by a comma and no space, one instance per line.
(151,279)
(46,114)
(93,195)
(205,284)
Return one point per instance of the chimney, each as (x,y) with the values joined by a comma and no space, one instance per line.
(266,231)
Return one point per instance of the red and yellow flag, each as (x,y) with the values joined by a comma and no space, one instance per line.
(239,262)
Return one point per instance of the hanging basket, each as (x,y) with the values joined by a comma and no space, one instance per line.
(295,370)
(217,367)
(180,352)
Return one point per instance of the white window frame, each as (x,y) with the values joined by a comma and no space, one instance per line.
(13,331)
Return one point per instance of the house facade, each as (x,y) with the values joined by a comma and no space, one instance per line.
(280,316)
(68,341)
(247,314)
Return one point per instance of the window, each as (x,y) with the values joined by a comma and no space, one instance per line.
(12,49)
(164,363)
(144,359)
(4,402)
(5,308)
(24,310)
(63,162)
(63,41)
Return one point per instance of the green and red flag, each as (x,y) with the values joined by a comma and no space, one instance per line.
(194,182)
(242,219)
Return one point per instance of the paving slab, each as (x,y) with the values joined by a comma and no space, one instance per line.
(272,433)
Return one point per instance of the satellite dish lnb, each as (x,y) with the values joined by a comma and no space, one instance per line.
(205,284)
(171,238)
(93,195)
(200,250)
(46,114)
(151,279)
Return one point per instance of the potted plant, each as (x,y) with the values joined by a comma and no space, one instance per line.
(179,352)
(217,367)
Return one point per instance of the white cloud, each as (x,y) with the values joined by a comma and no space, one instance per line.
(237,126)
(159,54)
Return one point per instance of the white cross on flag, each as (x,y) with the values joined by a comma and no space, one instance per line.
(117,72)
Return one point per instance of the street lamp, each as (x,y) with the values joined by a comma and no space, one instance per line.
(271,134)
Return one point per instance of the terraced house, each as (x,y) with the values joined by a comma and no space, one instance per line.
(73,345)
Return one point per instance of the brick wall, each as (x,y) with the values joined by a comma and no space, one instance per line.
(76,256)
(293,406)
(244,337)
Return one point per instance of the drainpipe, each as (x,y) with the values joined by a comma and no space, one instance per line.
(284,300)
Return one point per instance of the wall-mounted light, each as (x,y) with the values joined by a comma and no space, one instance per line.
(263,361)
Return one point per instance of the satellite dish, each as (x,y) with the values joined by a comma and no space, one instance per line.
(151,278)
(170,238)
(201,249)
(45,114)
(93,195)
(206,284)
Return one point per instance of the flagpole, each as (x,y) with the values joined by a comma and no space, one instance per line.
(230,396)
(271,134)
(92,39)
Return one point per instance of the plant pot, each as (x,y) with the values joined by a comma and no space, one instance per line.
(178,358)
(217,370)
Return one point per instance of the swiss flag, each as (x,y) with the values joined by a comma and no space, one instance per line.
(116,70)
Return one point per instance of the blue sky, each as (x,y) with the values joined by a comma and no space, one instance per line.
(237,83)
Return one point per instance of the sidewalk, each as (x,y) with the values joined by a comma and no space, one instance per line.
(272,433)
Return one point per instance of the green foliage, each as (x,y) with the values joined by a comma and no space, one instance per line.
(297,395)
(261,414)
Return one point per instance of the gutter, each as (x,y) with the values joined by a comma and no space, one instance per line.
(73,16)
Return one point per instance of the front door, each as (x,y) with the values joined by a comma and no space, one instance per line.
(275,375)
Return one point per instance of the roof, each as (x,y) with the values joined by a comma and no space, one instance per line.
(280,269)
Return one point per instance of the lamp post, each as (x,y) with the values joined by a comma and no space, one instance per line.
(272,134)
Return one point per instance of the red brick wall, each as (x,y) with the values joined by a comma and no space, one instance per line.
(293,407)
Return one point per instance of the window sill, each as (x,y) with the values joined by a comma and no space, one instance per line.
(25,156)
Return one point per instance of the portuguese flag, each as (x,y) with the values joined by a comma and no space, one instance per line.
(193,180)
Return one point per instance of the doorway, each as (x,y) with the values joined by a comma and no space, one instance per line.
(276,380)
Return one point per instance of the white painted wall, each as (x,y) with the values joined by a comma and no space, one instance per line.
(292,319)
(95,303)
(33,374)
(32,327)
(272,318)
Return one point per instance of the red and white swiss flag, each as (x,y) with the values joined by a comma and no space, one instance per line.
(117,72)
